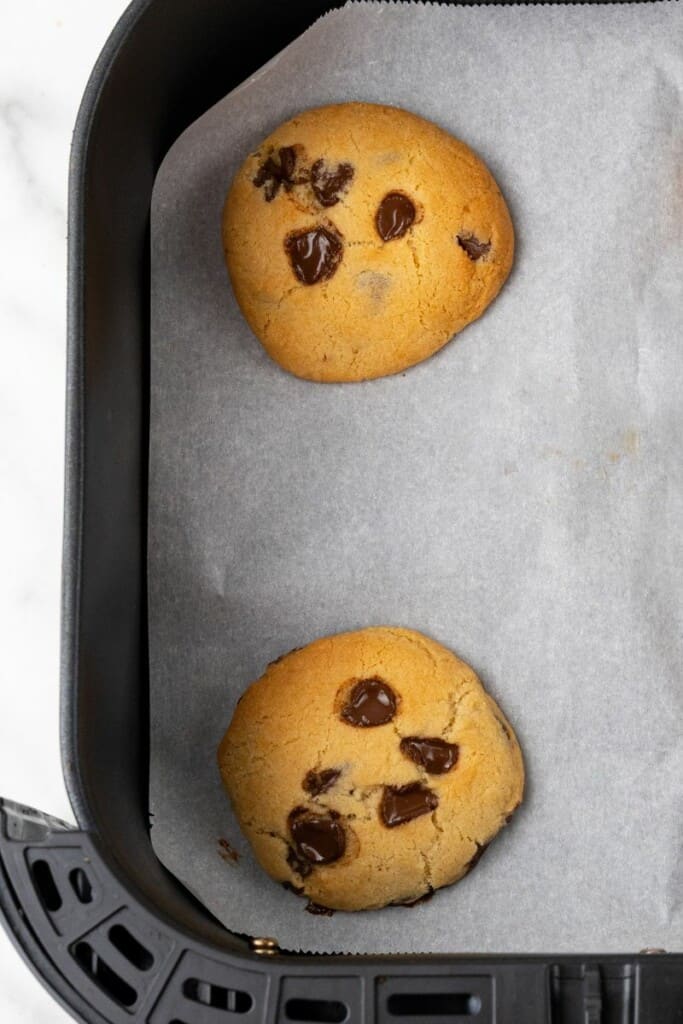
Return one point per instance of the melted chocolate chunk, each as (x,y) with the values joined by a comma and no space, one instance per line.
(371,702)
(473,247)
(434,755)
(318,838)
(318,909)
(481,850)
(511,815)
(424,898)
(314,254)
(272,175)
(329,184)
(297,890)
(395,214)
(401,804)
(298,865)
(316,783)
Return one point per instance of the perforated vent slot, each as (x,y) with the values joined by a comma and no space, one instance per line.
(319,1011)
(433,1004)
(219,998)
(129,947)
(80,883)
(44,881)
(102,974)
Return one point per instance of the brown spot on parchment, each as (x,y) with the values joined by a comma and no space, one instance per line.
(629,446)
(631,441)
(227,852)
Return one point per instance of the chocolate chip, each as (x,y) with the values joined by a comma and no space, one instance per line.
(436,756)
(316,783)
(424,898)
(401,804)
(296,889)
(511,815)
(395,215)
(318,909)
(272,175)
(474,248)
(481,850)
(371,702)
(318,838)
(314,254)
(298,865)
(329,184)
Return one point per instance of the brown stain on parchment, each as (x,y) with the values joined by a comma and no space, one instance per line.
(227,852)
(628,446)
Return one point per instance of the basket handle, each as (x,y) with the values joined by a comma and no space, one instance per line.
(109,959)
(69,919)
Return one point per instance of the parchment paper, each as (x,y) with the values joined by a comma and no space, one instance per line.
(519,497)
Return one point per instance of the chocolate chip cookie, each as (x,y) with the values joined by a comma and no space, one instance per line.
(370,768)
(360,238)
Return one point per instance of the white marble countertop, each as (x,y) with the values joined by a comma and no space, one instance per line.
(47,49)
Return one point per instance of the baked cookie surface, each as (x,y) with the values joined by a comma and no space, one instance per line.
(370,768)
(360,238)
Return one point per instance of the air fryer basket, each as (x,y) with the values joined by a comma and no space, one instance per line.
(96,916)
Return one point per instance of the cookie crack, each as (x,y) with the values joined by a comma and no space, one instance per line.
(455,703)
(438,828)
(360,796)
(259,830)
(420,644)
(301,204)
(463,838)
(278,305)
(319,763)
(410,241)
(477,195)
(427,871)
(416,260)
(353,140)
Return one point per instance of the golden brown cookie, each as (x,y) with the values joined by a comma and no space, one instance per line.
(360,238)
(370,768)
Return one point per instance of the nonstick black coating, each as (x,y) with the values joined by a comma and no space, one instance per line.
(165,64)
